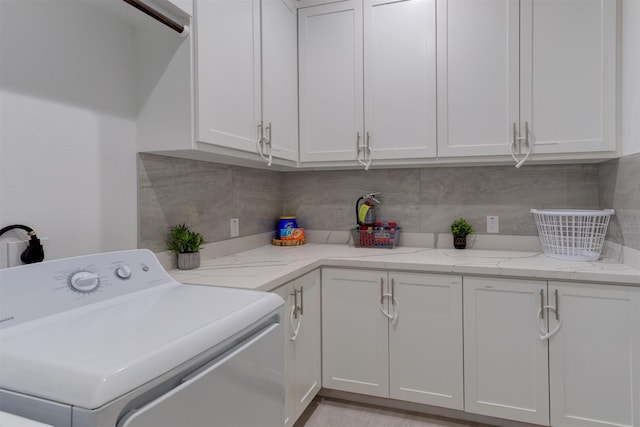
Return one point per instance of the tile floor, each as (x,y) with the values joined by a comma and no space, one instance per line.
(336,413)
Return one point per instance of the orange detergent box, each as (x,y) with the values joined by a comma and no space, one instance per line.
(292,234)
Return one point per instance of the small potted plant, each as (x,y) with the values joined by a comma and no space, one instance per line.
(187,244)
(460,229)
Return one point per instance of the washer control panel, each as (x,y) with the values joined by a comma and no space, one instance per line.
(88,281)
(33,291)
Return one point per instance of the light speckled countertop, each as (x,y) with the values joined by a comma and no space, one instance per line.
(268,267)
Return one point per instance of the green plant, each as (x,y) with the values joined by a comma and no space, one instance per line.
(461,228)
(183,240)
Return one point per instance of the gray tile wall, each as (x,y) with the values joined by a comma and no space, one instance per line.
(206,195)
(428,199)
(620,189)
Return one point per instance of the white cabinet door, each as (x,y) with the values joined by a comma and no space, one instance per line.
(367,95)
(568,76)
(546,64)
(286,292)
(505,362)
(308,351)
(246,68)
(425,340)
(400,78)
(330,66)
(228,73)
(302,343)
(594,357)
(478,82)
(413,354)
(280,76)
(354,332)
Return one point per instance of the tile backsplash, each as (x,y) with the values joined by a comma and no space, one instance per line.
(426,200)
(620,189)
(205,196)
(422,200)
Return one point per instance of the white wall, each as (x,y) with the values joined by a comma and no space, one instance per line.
(630,86)
(67,126)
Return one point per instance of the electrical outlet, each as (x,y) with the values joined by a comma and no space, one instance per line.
(15,248)
(235,227)
(493,226)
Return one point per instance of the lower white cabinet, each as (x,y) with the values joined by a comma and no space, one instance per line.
(396,335)
(505,362)
(594,357)
(355,337)
(425,339)
(550,353)
(560,354)
(302,347)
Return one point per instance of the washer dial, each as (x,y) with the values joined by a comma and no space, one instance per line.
(84,281)
(123,271)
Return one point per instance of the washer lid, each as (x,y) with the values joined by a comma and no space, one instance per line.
(94,354)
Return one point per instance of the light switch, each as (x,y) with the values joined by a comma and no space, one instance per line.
(235,227)
(493,225)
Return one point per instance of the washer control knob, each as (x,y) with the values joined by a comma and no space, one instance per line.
(123,271)
(84,281)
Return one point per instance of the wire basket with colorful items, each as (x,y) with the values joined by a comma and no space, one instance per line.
(377,236)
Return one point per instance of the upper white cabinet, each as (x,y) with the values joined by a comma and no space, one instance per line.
(367,81)
(531,76)
(185,6)
(400,79)
(568,88)
(280,77)
(228,78)
(478,76)
(228,93)
(528,79)
(331,81)
(246,91)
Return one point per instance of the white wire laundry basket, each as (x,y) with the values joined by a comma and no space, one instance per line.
(572,234)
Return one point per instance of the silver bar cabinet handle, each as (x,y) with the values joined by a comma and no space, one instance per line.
(557,310)
(381,291)
(542,303)
(367,149)
(301,300)
(295,303)
(269,137)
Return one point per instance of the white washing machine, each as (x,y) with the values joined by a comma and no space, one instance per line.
(111,340)
(10,420)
